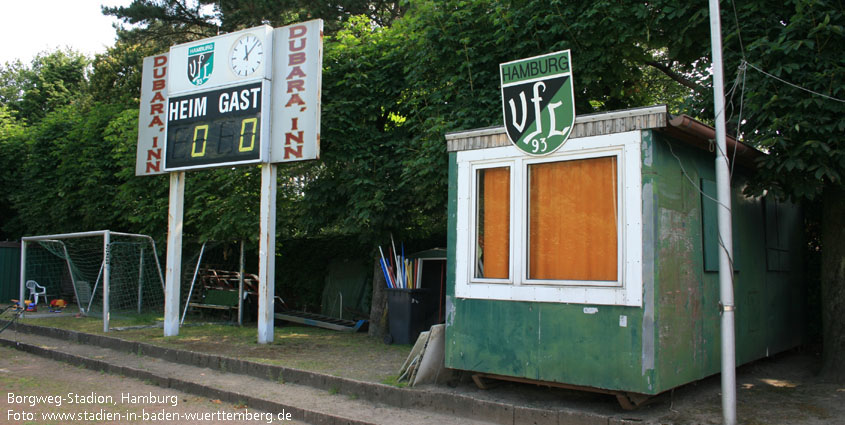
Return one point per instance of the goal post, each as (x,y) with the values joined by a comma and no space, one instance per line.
(105,272)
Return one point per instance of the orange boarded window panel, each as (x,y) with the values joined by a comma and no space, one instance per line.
(493,218)
(573,220)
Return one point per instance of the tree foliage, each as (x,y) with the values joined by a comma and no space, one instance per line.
(169,18)
(52,80)
(787,59)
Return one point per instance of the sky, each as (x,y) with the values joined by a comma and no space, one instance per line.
(28,27)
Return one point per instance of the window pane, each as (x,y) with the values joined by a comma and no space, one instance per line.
(493,220)
(572,224)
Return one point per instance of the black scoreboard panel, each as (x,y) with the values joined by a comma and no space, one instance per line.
(215,128)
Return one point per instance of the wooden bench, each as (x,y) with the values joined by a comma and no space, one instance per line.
(218,299)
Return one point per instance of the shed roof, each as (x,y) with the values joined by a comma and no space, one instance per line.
(681,127)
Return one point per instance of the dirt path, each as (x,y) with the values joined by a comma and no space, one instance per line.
(779,390)
(782,389)
(33,388)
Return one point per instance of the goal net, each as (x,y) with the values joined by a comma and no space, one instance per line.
(106,274)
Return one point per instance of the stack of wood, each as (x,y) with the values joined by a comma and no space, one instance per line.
(228,280)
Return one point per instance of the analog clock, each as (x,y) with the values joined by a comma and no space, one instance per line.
(247,55)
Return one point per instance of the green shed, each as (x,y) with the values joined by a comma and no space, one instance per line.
(596,266)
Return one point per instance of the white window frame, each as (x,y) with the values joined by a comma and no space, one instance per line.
(617,153)
(627,290)
(474,216)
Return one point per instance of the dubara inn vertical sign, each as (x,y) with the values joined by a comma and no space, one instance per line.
(152,117)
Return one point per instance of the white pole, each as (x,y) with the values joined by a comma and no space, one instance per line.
(193,281)
(173,268)
(23,278)
(267,254)
(82,310)
(723,191)
(241,288)
(106,282)
(141,281)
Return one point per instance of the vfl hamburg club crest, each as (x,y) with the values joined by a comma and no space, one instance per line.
(538,101)
(200,63)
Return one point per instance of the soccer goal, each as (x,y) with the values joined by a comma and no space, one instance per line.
(105,273)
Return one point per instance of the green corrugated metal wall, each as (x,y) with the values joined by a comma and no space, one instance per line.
(674,338)
(10,271)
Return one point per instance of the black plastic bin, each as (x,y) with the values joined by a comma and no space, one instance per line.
(407,313)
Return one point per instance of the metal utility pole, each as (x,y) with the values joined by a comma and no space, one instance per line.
(723,191)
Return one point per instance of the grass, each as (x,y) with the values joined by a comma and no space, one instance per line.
(393,380)
(352,355)
(89,324)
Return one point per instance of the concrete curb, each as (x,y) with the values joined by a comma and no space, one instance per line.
(420,399)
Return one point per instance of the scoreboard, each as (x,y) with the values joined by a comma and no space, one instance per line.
(220,127)
(247,97)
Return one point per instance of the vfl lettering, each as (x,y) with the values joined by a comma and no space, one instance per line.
(194,68)
(521,125)
(200,63)
(552,123)
(540,144)
(536,101)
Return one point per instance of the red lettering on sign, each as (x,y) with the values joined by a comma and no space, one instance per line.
(294,124)
(297,138)
(292,45)
(296,153)
(295,100)
(158,105)
(298,85)
(156,121)
(296,58)
(296,82)
(296,72)
(153,153)
(298,31)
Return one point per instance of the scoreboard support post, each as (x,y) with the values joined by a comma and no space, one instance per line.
(173,269)
(267,254)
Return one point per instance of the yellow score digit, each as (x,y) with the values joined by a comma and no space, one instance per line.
(254,122)
(201,152)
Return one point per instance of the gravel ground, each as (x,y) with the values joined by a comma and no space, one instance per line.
(82,396)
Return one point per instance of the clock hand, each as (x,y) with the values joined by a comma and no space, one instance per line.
(248,51)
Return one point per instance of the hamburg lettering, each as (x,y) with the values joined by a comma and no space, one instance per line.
(534,68)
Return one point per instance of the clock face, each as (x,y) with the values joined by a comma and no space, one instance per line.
(247,55)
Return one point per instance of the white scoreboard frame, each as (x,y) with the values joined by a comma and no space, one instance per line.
(294,60)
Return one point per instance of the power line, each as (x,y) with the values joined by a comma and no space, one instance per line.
(791,84)
(738,34)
